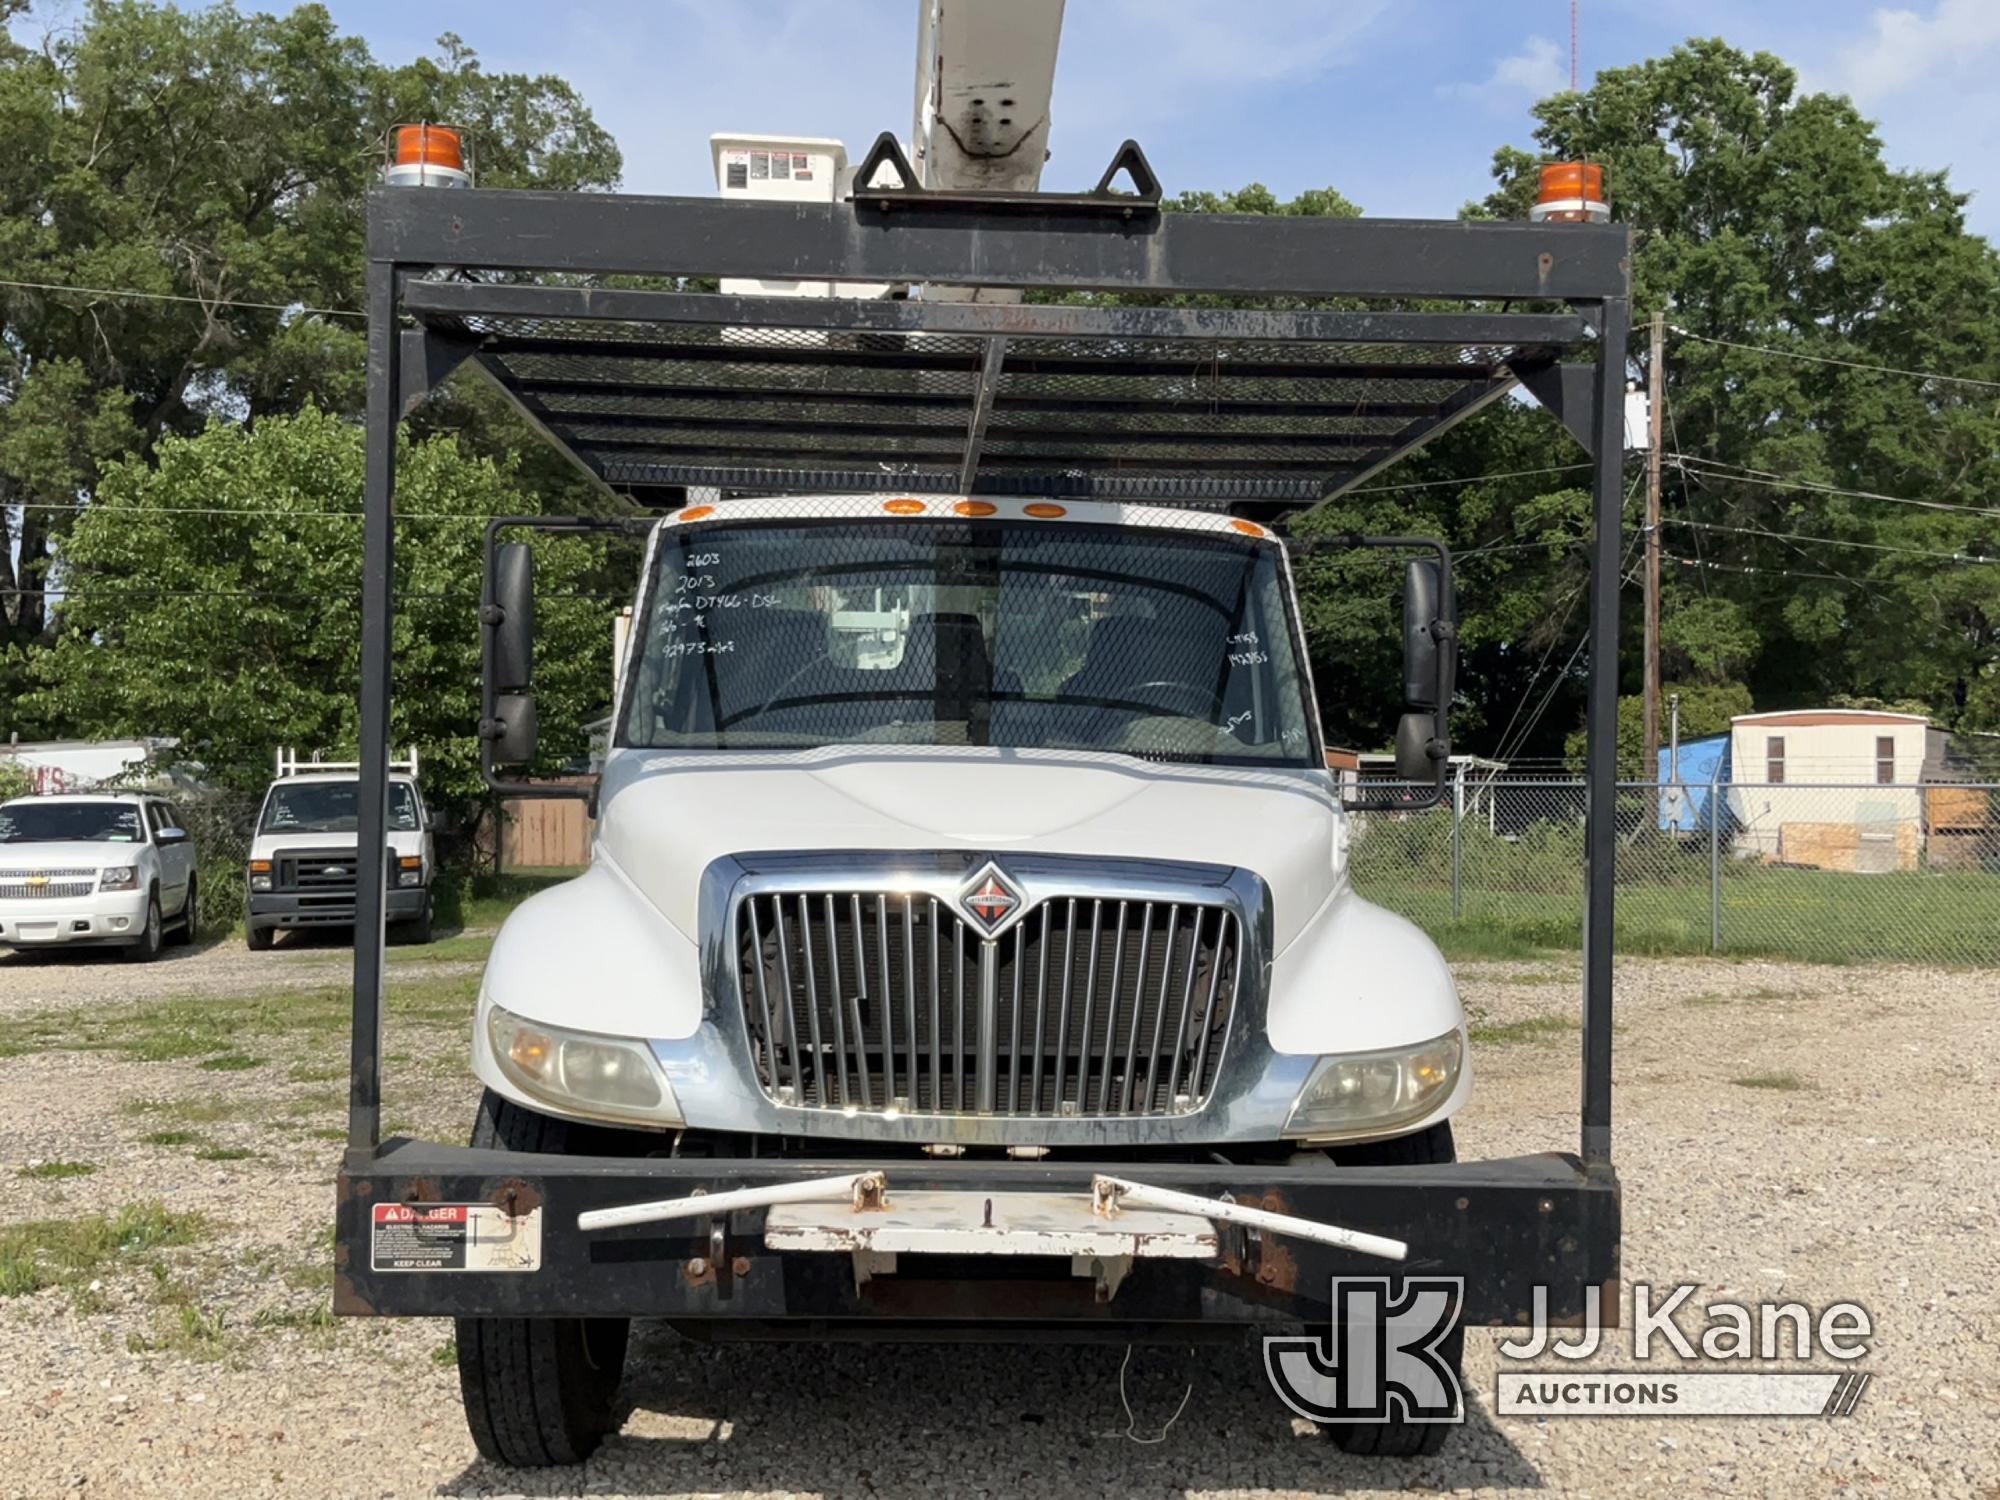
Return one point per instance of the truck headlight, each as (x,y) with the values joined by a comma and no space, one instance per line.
(1370,1092)
(118,878)
(260,874)
(585,1073)
(410,870)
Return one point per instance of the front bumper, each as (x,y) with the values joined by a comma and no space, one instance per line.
(291,909)
(101,917)
(1505,1226)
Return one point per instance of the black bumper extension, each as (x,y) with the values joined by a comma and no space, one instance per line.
(1505,1226)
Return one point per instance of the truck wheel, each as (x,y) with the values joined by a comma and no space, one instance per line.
(538,1391)
(418,929)
(1398,1439)
(190,916)
(257,939)
(150,936)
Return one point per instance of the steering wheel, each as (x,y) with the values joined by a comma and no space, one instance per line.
(779,692)
(1207,701)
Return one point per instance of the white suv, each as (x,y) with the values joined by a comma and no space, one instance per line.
(116,869)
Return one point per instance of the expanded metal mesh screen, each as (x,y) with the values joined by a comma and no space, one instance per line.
(655,405)
(1823,872)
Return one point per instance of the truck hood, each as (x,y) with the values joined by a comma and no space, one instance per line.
(666,816)
(78,854)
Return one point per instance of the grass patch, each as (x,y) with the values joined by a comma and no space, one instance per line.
(170,1138)
(56,1171)
(230,1062)
(463,947)
(215,1029)
(318,1319)
(1784,1083)
(1520,903)
(316,1072)
(1528,1029)
(202,1110)
(224,1153)
(446,1354)
(69,1252)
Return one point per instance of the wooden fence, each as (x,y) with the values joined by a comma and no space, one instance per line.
(544,834)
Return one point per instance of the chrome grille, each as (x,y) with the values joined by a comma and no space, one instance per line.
(876,1000)
(36,885)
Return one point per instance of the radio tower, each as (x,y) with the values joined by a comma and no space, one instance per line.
(1572,46)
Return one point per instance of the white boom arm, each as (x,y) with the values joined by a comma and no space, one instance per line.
(985,71)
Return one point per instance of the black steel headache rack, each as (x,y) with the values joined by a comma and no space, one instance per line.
(1265,410)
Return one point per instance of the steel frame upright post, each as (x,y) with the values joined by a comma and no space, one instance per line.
(1601,754)
(378,559)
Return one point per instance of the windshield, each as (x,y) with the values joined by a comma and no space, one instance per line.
(54,822)
(1164,644)
(331,807)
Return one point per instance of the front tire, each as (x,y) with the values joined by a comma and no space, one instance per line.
(151,936)
(417,930)
(1396,1438)
(538,1391)
(190,922)
(258,939)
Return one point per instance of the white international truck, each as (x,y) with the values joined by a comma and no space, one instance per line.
(301,870)
(969,950)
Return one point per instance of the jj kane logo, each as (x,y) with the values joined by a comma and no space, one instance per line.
(990,899)
(1381,1359)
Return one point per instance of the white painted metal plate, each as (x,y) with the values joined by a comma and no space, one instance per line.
(1021,1224)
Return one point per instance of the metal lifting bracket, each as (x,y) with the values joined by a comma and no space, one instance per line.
(1144,199)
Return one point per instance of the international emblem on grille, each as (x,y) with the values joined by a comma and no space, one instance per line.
(990,899)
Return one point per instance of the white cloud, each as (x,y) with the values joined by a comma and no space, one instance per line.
(1534,72)
(1903,48)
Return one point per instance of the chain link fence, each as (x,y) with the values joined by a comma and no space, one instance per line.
(1822,871)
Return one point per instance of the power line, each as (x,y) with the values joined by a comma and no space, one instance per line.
(134,295)
(1432,484)
(1700,468)
(1827,359)
(1755,572)
(1832,541)
(225,510)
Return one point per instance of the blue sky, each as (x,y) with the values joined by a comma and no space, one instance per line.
(1397,103)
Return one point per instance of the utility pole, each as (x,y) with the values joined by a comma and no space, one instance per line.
(1655,413)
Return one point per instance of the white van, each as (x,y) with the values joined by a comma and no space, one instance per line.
(302,858)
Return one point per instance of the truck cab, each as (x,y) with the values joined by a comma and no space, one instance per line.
(301,870)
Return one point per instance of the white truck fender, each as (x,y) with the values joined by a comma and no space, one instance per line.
(593,954)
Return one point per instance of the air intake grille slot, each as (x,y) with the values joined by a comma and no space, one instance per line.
(873,1000)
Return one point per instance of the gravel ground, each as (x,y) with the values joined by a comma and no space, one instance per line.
(303,960)
(1868,1175)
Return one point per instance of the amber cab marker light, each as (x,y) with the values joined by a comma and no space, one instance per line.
(1249,528)
(903,507)
(696,513)
(975,508)
(426,155)
(1041,510)
(1571,192)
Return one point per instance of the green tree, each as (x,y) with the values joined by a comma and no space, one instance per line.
(1764,216)
(214,596)
(217,163)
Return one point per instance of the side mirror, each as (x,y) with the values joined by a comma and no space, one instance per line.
(1423,610)
(1414,733)
(512,618)
(513,729)
(171,836)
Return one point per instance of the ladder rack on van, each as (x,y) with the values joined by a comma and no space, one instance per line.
(289,764)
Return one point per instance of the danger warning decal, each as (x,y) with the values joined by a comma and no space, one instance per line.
(454,1237)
